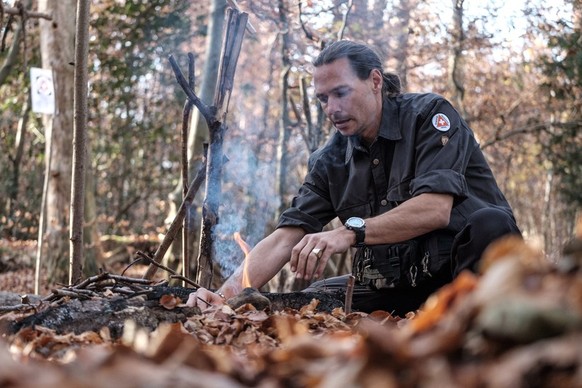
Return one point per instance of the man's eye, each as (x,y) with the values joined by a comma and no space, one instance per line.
(322,100)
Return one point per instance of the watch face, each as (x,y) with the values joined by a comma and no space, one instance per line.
(355,222)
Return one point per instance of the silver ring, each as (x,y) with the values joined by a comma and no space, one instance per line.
(317,252)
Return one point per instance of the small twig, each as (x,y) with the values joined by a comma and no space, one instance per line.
(207,303)
(39,15)
(85,293)
(139,259)
(174,274)
(70,293)
(130,280)
(16,307)
(92,279)
(185,279)
(129,292)
(340,34)
(151,261)
(349,294)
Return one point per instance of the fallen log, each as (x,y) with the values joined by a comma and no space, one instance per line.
(78,313)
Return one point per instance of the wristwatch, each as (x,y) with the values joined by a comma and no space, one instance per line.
(358,225)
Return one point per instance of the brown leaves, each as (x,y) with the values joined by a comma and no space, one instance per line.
(520,320)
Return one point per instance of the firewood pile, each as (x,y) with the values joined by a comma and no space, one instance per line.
(519,323)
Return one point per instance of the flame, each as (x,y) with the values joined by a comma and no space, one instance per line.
(246,248)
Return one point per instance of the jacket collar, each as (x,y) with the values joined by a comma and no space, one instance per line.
(389,127)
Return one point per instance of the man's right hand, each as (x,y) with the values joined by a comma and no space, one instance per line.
(204,298)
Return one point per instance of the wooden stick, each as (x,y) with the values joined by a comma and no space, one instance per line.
(349,294)
(187,225)
(205,110)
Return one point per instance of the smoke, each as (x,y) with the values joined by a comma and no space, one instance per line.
(248,200)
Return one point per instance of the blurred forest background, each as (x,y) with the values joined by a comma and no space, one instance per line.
(512,69)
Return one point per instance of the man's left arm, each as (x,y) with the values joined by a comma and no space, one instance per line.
(417,216)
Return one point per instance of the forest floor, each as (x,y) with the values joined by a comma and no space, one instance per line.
(517,324)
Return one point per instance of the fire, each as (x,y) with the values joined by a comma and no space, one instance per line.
(246,248)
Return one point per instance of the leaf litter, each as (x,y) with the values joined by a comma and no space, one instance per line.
(519,323)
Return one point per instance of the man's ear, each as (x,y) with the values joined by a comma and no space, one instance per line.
(377,79)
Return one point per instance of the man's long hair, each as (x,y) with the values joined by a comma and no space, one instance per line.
(363,60)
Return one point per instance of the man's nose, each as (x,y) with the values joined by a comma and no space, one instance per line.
(331,107)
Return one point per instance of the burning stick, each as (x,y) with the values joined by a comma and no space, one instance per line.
(349,294)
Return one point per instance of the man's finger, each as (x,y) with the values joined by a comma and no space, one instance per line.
(204,298)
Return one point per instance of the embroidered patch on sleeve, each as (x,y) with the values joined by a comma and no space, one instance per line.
(441,122)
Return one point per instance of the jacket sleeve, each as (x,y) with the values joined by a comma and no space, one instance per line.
(443,146)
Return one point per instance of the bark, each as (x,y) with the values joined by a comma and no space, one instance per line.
(57,51)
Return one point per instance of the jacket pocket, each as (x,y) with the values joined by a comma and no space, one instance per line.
(363,210)
(411,262)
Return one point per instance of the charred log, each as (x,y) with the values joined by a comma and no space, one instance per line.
(79,316)
(79,313)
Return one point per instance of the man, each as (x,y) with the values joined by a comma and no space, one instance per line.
(403,173)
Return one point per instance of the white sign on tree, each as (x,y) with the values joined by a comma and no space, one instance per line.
(42,90)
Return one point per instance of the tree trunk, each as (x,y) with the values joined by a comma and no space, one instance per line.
(18,153)
(93,252)
(12,54)
(79,142)
(284,124)
(57,51)
(457,64)
(400,44)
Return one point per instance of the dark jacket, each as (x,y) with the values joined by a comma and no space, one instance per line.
(423,146)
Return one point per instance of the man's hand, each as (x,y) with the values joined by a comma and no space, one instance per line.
(204,298)
(309,257)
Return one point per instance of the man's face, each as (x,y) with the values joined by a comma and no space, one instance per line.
(353,105)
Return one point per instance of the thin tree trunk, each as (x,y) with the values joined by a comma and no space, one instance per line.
(401,46)
(12,54)
(284,125)
(79,142)
(48,134)
(456,68)
(19,151)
